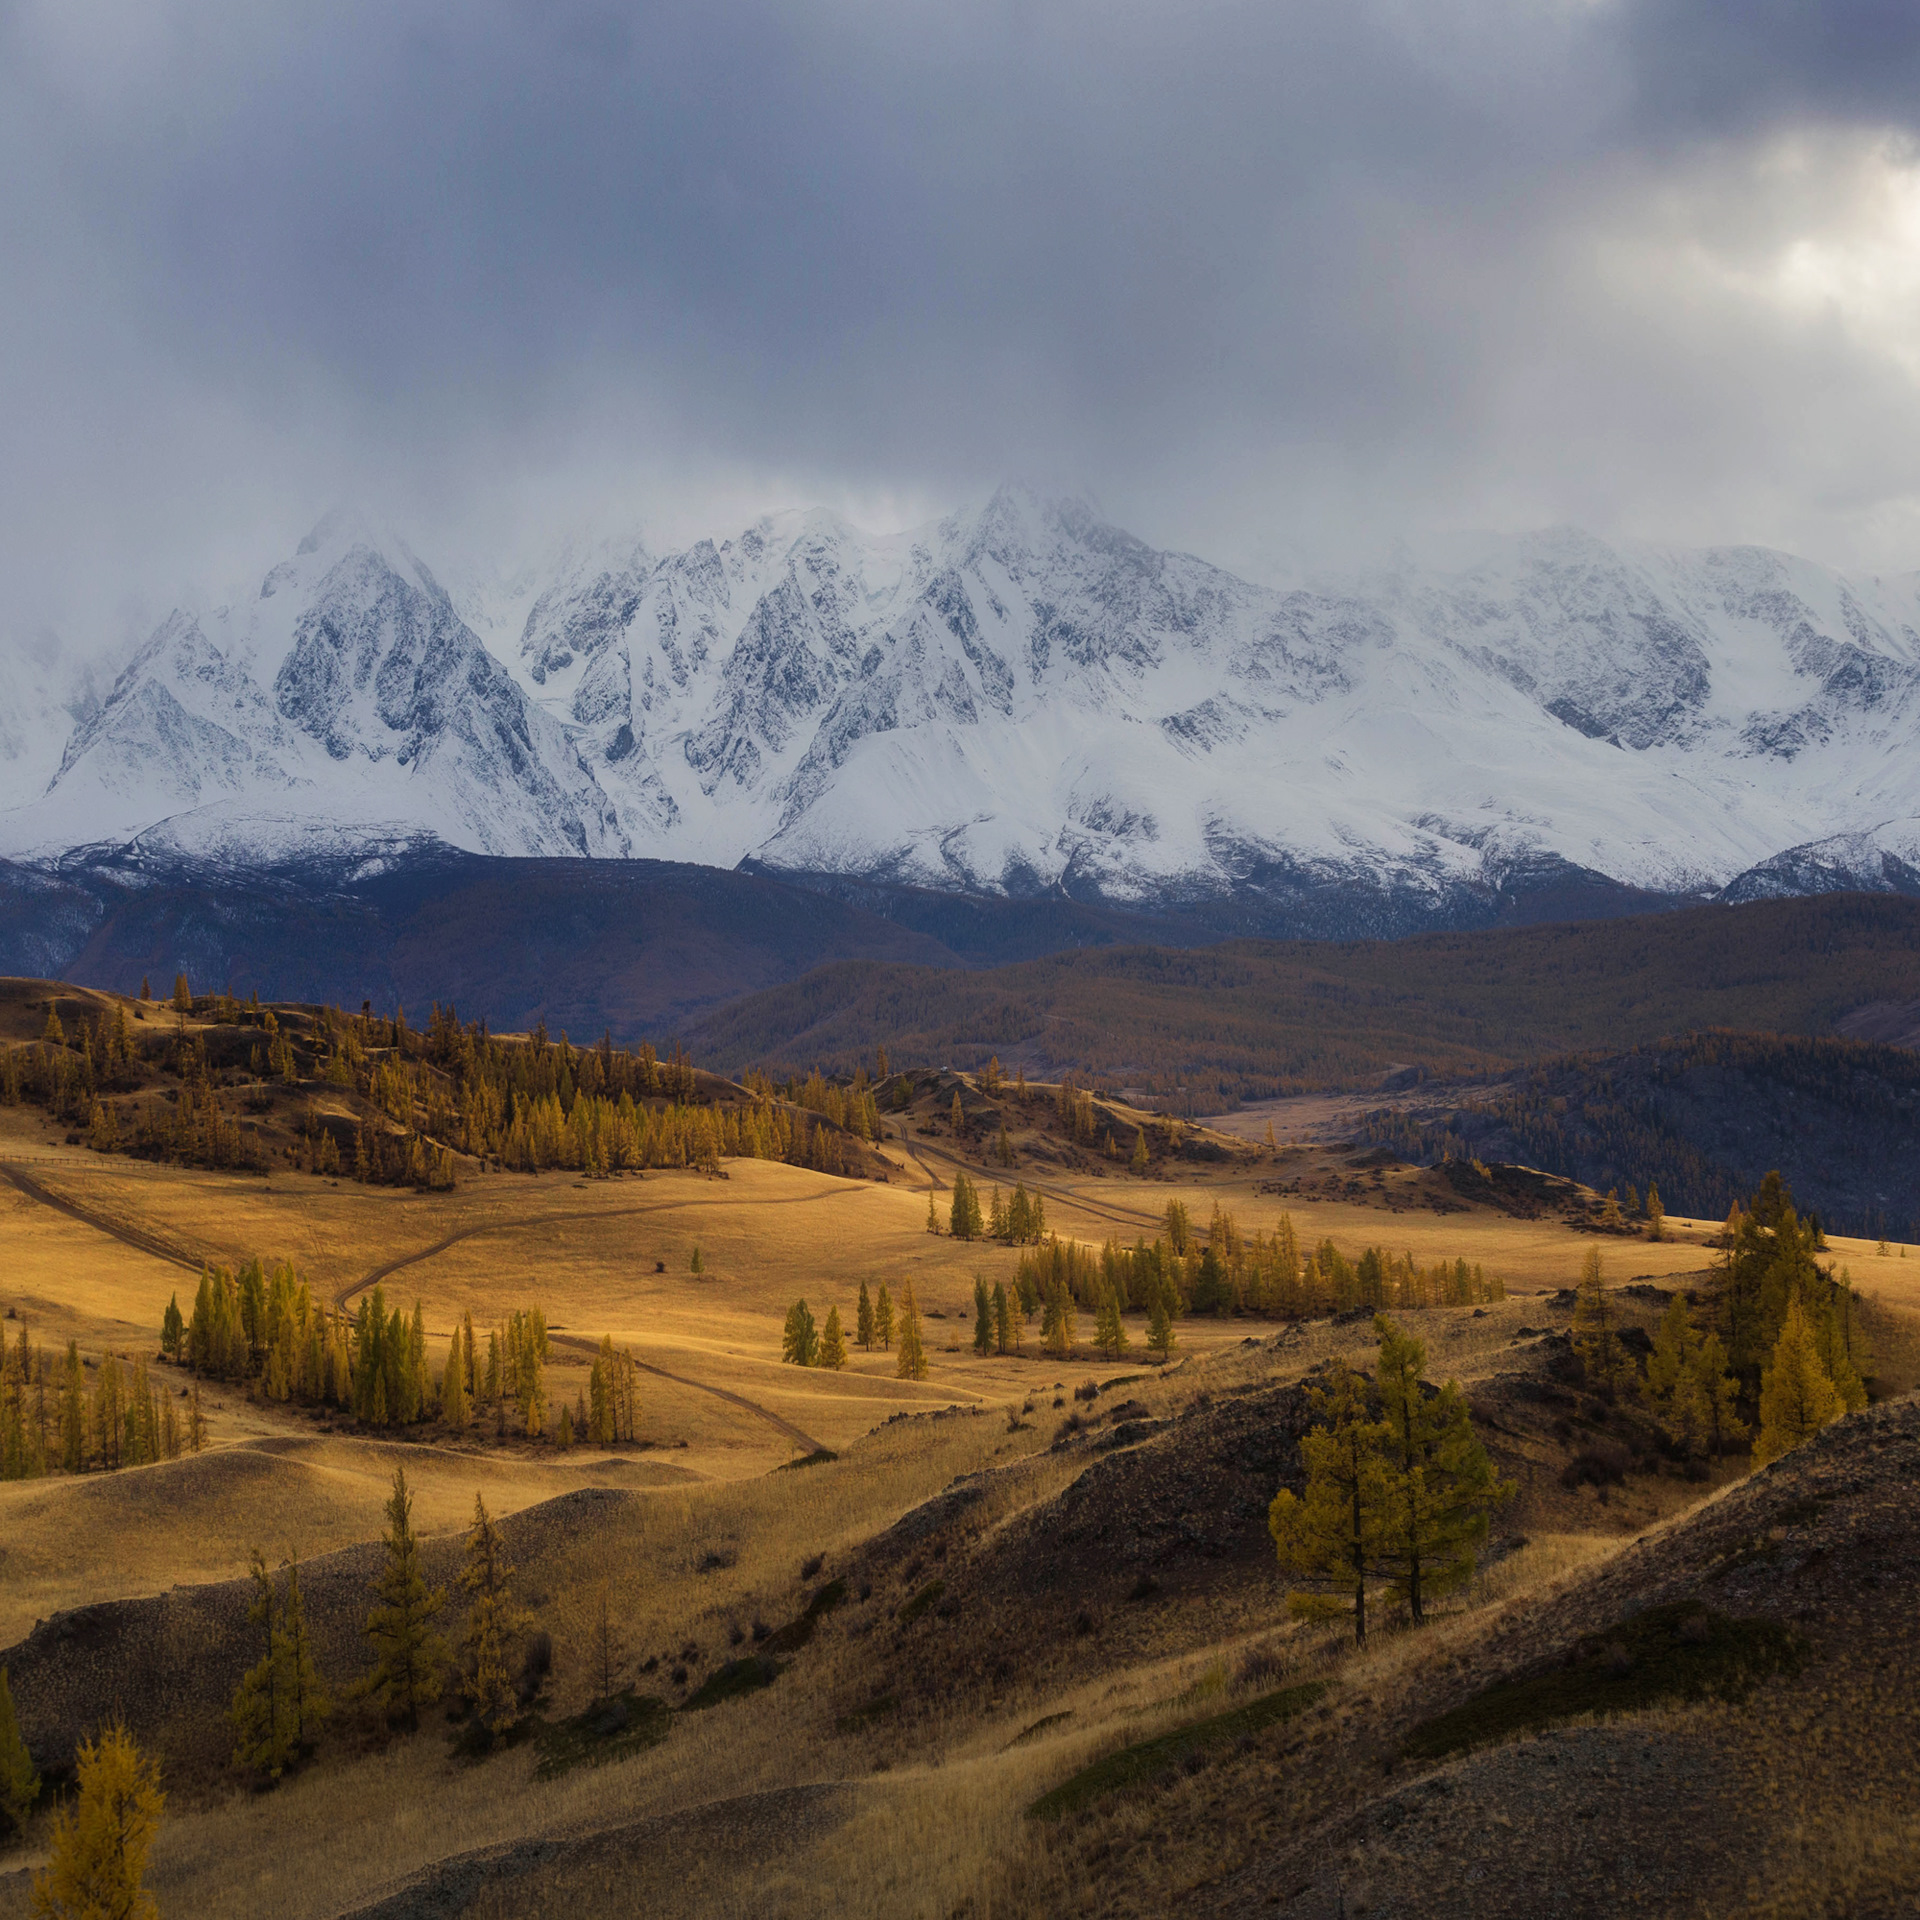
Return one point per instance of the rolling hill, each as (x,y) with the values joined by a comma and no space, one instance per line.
(1250,1019)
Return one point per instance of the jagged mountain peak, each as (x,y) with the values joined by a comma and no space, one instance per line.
(1021,695)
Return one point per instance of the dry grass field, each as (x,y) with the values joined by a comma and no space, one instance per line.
(888,1769)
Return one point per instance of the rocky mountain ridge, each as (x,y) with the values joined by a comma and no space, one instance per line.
(1023,699)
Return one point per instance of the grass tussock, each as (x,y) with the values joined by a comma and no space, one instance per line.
(1681,1652)
(1146,1759)
(610,1730)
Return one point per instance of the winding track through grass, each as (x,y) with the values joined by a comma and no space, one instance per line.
(160,1250)
(134,1237)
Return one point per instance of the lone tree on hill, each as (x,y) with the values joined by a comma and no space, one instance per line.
(912,1364)
(408,1653)
(1797,1398)
(1333,1538)
(19,1783)
(1442,1489)
(101,1840)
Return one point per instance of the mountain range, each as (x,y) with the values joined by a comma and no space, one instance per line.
(1022,700)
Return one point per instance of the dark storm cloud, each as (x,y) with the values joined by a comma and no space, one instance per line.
(1220,259)
(1734,65)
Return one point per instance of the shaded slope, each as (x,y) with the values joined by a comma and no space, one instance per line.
(1247,1019)
(1704,1119)
(1800,1801)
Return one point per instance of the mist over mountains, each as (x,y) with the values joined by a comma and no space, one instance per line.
(1022,700)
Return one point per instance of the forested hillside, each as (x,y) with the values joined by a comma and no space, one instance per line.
(1703,1119)
(1253,1019)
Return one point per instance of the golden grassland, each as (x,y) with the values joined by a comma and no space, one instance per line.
(766,1805)
(932,1819)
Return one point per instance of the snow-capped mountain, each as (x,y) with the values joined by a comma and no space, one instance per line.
(347,698)
(1023,697)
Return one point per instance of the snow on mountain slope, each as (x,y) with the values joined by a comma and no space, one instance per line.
(1022,697)
(348,695)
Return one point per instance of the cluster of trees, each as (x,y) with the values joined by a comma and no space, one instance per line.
(805,1344)
(876,1322)
(1399,1490)
(1774,1347)
(851,1108)
(264,1328)
(1234,1272)
(282,1702)
(447,1090)
(51,1420)
(1015,1220)
(1001,1314)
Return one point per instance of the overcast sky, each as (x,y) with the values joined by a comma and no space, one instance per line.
(1269,278)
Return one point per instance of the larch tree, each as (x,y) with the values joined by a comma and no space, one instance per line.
(800,1339)
(102,1838)
(73,1412)
(1160,1334)
(263,1734)
(1673,1386)
(1109,1332)
(1656,1215)
(1137,1159)
(965,1220)
(1719,1394)
(1442,1488)
(1332,1538)
(912,1363)
(307,1702)
(455,1408)
(982,1316)
(1596,1328)
(833,1343)
(408,1652)
(19,1782)
(883,1318)
(1797,1398)
(1007,1325)
(863,1320)
(493,1623)
(1057,1320)
(933,1216)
